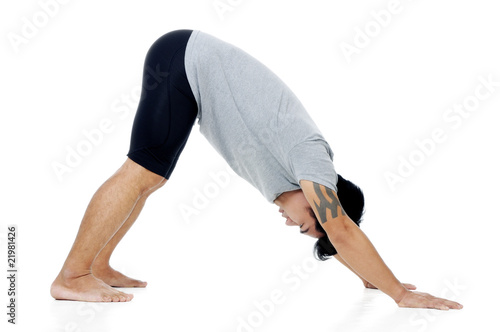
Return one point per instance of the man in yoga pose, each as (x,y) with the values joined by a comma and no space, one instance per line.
(262,130)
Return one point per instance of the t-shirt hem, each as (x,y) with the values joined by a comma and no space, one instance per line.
(283,190)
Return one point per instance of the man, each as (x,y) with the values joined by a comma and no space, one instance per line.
(259,126)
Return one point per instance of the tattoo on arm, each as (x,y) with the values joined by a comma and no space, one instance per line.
(327,202)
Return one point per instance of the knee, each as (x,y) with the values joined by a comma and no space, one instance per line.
(150,182)
(145,181)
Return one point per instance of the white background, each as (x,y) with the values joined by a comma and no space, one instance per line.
(437,228)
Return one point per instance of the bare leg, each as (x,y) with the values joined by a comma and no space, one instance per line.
(110,207)
(101,268)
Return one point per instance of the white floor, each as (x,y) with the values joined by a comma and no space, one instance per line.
(215,303)
(202,279)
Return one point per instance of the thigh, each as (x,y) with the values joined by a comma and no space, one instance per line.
(167,109)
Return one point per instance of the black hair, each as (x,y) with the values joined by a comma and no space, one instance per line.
(352,201)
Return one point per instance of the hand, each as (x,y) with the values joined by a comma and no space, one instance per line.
(407,286)
(424,300)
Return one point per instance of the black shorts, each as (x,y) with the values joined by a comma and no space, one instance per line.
(167,108)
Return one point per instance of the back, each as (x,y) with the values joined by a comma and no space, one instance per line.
(254,120)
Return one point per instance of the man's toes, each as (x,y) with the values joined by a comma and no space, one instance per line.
(139,283)
(123,297)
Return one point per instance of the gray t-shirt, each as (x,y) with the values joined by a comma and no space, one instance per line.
(254,120)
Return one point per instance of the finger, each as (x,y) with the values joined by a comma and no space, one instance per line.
(439,304)
(410,286)
(453,304)
(449,304)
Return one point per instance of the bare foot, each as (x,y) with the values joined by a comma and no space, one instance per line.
(86,288)
(116,279)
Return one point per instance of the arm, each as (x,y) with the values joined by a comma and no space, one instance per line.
(354,247)
(366,283)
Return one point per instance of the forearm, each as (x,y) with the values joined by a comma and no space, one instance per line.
(337,256)
(351,243)
(354,247)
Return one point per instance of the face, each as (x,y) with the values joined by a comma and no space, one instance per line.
(297,211)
